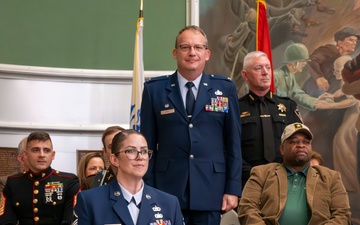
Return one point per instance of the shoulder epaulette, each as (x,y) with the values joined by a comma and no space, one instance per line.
(219,77)
(152,79)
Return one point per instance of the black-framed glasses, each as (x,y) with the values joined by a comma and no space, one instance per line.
(187,48)
(132,154)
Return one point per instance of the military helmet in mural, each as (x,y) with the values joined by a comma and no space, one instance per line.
(296,52)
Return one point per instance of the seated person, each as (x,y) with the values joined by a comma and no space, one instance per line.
(88,166)
(278,193)
(127,199)
(41,195)
(104,177)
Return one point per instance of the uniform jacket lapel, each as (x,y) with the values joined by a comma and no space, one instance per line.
(120,206)
(175,96)
(146,210)
(203,95)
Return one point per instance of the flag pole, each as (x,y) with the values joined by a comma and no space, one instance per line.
(138,73)
(141,9)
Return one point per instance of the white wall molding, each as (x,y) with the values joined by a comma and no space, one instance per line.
(35,76)
(8,71)
(74,105)
(57,127)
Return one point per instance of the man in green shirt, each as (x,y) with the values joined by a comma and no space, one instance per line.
(294,192)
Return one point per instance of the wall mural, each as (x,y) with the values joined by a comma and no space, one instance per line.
(319,27)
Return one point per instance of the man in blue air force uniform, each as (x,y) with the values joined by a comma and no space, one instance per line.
(191,121)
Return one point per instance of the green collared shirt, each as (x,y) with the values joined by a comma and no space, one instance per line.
(296,211)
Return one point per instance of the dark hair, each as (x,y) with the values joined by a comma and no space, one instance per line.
(194,28)
(38,135)
(120,137)
(110,130)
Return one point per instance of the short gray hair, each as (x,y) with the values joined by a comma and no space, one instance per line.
(251,55)
(22,146)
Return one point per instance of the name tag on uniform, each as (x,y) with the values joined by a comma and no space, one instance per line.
(244,114)
(167,111)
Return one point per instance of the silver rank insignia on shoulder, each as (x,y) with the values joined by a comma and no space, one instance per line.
(218,92)
(281,107)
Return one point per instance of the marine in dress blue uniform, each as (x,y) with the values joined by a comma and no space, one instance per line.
(46,198)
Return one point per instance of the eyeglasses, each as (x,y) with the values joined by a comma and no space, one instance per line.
(132,154)
(187,48)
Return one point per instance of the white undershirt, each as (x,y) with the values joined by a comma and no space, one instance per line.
(133,209)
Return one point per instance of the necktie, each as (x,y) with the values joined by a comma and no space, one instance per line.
(134,210)
(268,134)
(190,98)
(133,200)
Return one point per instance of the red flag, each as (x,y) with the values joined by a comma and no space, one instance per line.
(263,42)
